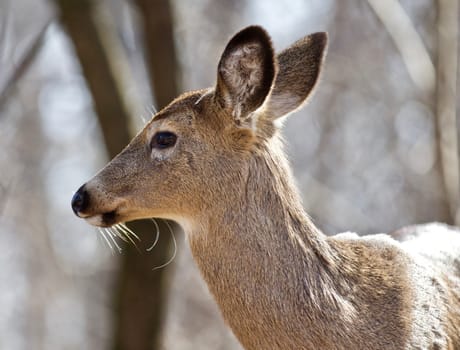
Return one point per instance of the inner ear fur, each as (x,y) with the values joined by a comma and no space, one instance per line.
(299,67)
(245,72)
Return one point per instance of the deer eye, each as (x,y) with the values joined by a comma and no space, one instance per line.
(163,140)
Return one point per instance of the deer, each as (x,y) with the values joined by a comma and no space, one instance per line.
(213,161)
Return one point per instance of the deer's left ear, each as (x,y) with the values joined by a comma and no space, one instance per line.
(246,72)
(299,67)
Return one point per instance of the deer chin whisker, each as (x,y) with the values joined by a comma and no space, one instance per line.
(157,236)
(128,231)
(126,234)
(113,237)
(113,229)
(105,239)
(175,248)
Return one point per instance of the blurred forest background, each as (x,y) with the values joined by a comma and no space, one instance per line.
(375,149)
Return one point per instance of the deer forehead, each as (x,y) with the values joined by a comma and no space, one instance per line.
(177,123)
(182,112)
(194,113)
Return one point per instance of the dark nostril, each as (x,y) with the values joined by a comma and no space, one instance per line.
(80,200)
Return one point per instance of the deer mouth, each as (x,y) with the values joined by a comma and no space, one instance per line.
(103,220)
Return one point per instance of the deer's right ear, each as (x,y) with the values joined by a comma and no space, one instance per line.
(246,72)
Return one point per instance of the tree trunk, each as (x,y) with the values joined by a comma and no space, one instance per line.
(446,104)
(159,48)
(140,297)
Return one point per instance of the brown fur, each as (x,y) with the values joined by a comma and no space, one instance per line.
(279,282)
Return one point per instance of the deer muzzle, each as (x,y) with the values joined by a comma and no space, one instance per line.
(86,205)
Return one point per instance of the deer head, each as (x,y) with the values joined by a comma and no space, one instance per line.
(192,156)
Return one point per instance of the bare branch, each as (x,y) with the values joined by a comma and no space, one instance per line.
(23,65)
(160,50)
(408,42)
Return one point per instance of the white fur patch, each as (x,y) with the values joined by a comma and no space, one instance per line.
(95,220)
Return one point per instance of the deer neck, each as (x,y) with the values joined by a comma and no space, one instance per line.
(261,255)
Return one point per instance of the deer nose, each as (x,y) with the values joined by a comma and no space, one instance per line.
(80,200)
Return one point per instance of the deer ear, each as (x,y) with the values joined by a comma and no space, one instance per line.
(299,67)
(246,72)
